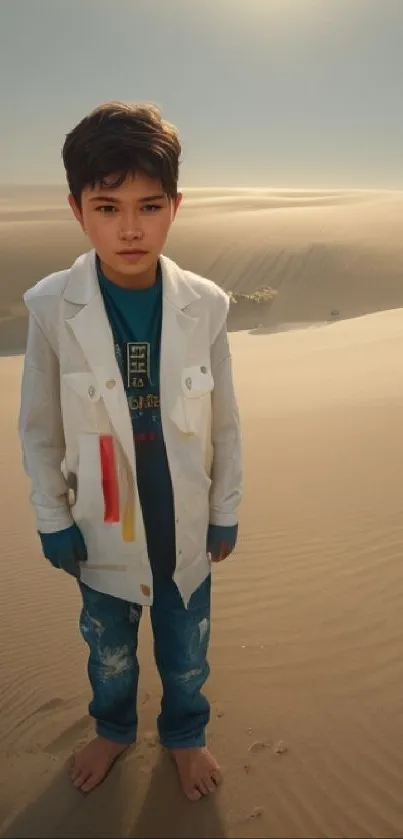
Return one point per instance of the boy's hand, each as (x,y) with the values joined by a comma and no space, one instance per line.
(65,549)
(221,541)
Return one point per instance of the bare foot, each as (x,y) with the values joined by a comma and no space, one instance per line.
(88,768)
(199,771)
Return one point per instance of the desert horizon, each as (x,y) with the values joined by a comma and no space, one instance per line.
(307,613)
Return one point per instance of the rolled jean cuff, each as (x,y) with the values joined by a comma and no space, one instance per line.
(196,742)
(123,737)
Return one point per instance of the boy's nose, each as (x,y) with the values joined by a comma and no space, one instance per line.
(131,233)
(131,227)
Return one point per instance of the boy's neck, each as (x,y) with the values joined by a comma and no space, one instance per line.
(139,281)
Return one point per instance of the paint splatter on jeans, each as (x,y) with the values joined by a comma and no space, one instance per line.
(110,626)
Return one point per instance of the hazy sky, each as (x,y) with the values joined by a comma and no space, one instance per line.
(293,93)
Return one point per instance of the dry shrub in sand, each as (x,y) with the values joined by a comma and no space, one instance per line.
(261,295)
(251,310)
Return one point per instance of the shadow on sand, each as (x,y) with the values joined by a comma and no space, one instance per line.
(130,803)
(167,814)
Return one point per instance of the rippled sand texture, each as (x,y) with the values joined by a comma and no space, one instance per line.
(306,649)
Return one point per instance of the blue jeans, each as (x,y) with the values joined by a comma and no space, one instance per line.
(110,626)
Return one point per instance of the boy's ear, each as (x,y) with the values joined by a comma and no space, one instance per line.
(176,204)
(76,210)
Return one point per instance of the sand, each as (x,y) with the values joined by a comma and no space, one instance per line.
(306,650)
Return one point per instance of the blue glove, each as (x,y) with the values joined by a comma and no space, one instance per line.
(65,549)
(221,541)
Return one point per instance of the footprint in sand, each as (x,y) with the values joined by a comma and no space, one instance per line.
(280,748)
(258,746)
(256,813)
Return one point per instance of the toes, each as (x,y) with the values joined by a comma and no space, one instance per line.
(91,782)
(199,773)
(217,777)
(193,794)
(81,779)
(86,780)
(74,771)
(76,775)
(210,784)
(203,787)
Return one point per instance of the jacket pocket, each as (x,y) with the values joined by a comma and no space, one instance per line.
(83,384)
(197,382)
(81,401)
(197,386)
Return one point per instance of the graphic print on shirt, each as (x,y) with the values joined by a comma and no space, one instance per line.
(135,363)
(138,364)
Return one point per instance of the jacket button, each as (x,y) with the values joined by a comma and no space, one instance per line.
(110,384)
(91,391)
(188,383)
(145,590)
(203,369)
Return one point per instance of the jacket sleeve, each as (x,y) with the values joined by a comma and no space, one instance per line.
(226,488)
(41,432)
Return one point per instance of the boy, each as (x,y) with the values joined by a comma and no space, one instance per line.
(130,436)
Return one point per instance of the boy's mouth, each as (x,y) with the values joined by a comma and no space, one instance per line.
(132,255)
(131,251)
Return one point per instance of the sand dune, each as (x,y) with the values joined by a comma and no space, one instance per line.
(306,657)
(318,250)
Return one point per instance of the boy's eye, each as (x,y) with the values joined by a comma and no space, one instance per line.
(152,208)
(107,209)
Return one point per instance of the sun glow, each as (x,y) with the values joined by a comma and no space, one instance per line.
(282,17)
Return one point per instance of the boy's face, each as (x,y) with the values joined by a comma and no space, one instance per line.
(127,225)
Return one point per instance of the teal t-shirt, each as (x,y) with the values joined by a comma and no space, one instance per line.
(135,316)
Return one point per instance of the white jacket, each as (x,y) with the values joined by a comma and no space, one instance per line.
(72,391)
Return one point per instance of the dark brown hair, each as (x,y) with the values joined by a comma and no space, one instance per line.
(118,139)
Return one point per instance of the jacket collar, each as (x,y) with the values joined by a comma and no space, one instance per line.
(82,285)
